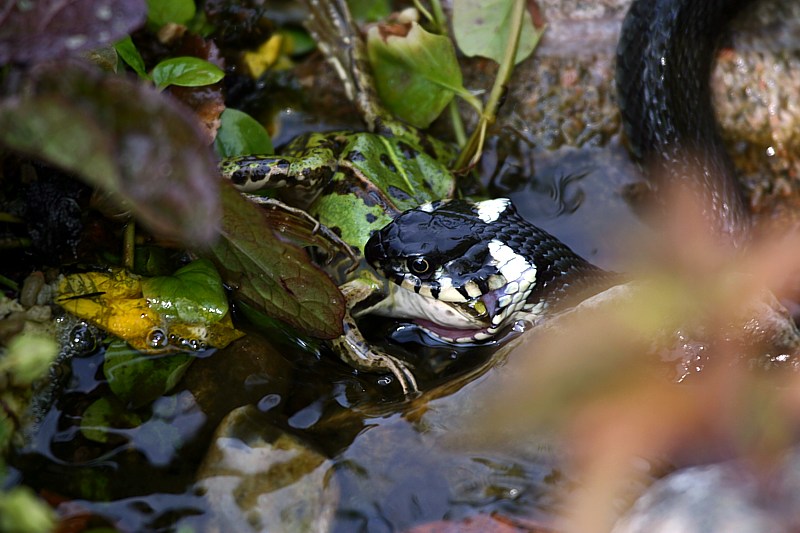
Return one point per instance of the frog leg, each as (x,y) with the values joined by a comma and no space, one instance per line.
(356,351)
(332,27)
(317,229)
(308,163)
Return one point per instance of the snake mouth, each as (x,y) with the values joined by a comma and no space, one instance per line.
(485,316)
(455,335)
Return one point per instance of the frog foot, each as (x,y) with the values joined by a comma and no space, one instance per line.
(354,349)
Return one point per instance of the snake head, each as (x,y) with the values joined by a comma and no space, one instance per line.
(440,249)
(473,255)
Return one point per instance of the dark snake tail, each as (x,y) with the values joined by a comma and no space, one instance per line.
(664,59)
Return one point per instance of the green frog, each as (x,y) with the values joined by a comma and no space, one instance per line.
(354,183)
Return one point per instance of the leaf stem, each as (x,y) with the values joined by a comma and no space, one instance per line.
(438,17)
(10,283)
(425,12)
(128,244)
(457,123)
(473,150)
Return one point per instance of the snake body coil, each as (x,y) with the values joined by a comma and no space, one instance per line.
(664,59)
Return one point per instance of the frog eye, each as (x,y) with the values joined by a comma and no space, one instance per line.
(419,266)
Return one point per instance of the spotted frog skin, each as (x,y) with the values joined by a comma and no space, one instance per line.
(354,183)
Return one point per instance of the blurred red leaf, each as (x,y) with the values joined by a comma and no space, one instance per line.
(45,29)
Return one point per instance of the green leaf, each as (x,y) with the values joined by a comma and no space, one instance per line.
(241,134)
(416,75)
(161,12)
(23,512)
(130,55)
(186,72)
(481,28)
(103,416)
(193,295)
(137,378)
(122,137)
(369,10)
(149,261)
(27,357)
(272,275)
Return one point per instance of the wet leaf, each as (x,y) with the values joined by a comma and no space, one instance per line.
(241,134)
(114,302)
(219,334)
(272,54)
(161,12)
(137,378)
(130,55)
(45,29)
(193,294)
(207,101)
(416,75)
(122,137)
(130,319)
(272,275)
(186,71)
(116,284)
(481,28)
(103,416)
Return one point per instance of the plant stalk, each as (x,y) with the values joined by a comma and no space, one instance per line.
(128,245)
(473,150)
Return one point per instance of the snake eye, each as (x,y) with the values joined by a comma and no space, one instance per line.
(419,266)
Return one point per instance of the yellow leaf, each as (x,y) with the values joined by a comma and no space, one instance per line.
(115,284)
(265,56)
(130,319)
(113,302)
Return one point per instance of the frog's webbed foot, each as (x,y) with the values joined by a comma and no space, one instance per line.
(304,228)
(356,351)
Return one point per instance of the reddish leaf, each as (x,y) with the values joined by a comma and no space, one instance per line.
(273,275)
(43,29)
